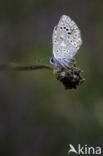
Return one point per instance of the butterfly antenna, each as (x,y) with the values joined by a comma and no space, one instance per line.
(43,60)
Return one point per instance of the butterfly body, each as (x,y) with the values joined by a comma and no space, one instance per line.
(66,41)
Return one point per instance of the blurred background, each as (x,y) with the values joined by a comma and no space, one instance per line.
(37,115)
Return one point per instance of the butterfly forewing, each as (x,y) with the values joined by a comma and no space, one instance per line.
(66,40)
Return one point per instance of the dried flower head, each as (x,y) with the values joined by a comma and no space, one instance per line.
(70,76)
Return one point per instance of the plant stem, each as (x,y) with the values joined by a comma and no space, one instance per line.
(13,66)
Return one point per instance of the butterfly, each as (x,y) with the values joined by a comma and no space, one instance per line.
(66,42)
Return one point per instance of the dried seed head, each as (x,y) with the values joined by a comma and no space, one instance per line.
(70,76)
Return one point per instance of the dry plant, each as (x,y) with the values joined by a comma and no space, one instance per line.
(70,76)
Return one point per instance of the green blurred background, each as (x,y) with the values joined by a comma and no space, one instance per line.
(37,115)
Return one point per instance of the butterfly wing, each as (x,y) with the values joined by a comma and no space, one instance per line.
(66,40)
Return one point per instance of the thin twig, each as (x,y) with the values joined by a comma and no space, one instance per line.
(13,66)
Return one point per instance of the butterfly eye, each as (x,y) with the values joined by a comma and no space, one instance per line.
(52,60)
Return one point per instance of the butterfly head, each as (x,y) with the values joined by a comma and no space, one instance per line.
(53,61)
